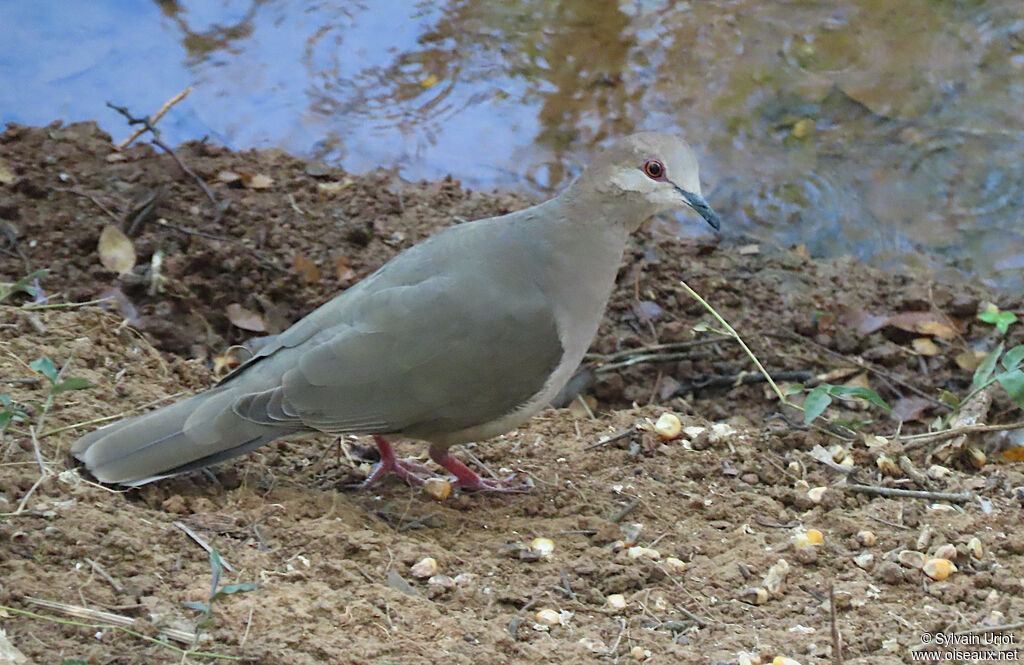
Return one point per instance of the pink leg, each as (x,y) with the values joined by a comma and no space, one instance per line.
(468,479)
(388,463)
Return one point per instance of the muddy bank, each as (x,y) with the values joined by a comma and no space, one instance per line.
(726,499)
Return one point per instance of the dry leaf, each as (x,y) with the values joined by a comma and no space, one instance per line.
(920,322)
(910,408)
(1014,454)
(925,346)
(345,274)
(861,321)
(969,360)
(228,177)
(116,251)
(244,318)
(308,271)
(936,329)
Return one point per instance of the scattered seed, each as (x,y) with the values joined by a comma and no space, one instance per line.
(911,559)
(425,567)
(616,602)
(815,494)
(542,547)
(938,569)
(864,560)
(947,552)
(668,426)
(867,538)
(437,488)
(637,552)
(975,548)
(675,565)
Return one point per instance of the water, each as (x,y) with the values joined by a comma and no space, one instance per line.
(890,131)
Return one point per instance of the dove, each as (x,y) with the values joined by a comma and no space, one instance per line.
(460,338)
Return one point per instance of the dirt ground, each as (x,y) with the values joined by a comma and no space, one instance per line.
(718,508)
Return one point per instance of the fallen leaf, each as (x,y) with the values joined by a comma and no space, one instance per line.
(308,271)
(244,318)
(116,251)
(920,322)
(910,408)
(345,274)
(936,329)
(925,346)
(861,321)
(1014,454)
(969,360)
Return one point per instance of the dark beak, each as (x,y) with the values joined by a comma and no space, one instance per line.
(702,208)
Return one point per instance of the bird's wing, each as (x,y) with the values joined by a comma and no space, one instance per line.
(439,355)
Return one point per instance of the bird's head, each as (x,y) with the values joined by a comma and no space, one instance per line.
(650,173)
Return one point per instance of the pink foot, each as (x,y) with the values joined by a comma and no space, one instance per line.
(404,469)
(468,479)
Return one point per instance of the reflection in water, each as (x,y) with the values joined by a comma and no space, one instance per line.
(891,131)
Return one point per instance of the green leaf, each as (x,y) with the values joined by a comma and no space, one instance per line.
(74,383)
(5,417)
(985,369)
(5,400)
(73,661)
(235,588)
(857,391)
(793,389)
(1013,357)
(25,284)
(816,403)
(217,568)
(1001,320)
(949,398)
(1013,382)
(46,367)
(196,605)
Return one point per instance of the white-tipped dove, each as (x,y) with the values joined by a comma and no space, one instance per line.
(460,338)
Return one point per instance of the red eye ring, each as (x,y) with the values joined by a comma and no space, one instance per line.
(654,169)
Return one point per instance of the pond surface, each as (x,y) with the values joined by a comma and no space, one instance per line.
(893,131)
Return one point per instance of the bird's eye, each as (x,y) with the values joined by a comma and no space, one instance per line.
(654,169)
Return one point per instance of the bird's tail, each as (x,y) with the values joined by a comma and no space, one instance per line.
(190,434)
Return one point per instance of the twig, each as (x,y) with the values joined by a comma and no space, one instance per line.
(613,438)
(202,543)
(915,440)
(115,621)
(105,575)
(148,125)
(837,643)
(981,630)
(644,358)
(586,407)
(743,378)
(621,515)
(105,209)
(718,317)
(655,348)
(67,305)
(155,118)
(618,640)
(955,497)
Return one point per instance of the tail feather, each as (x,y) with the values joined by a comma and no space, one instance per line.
(190,434)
